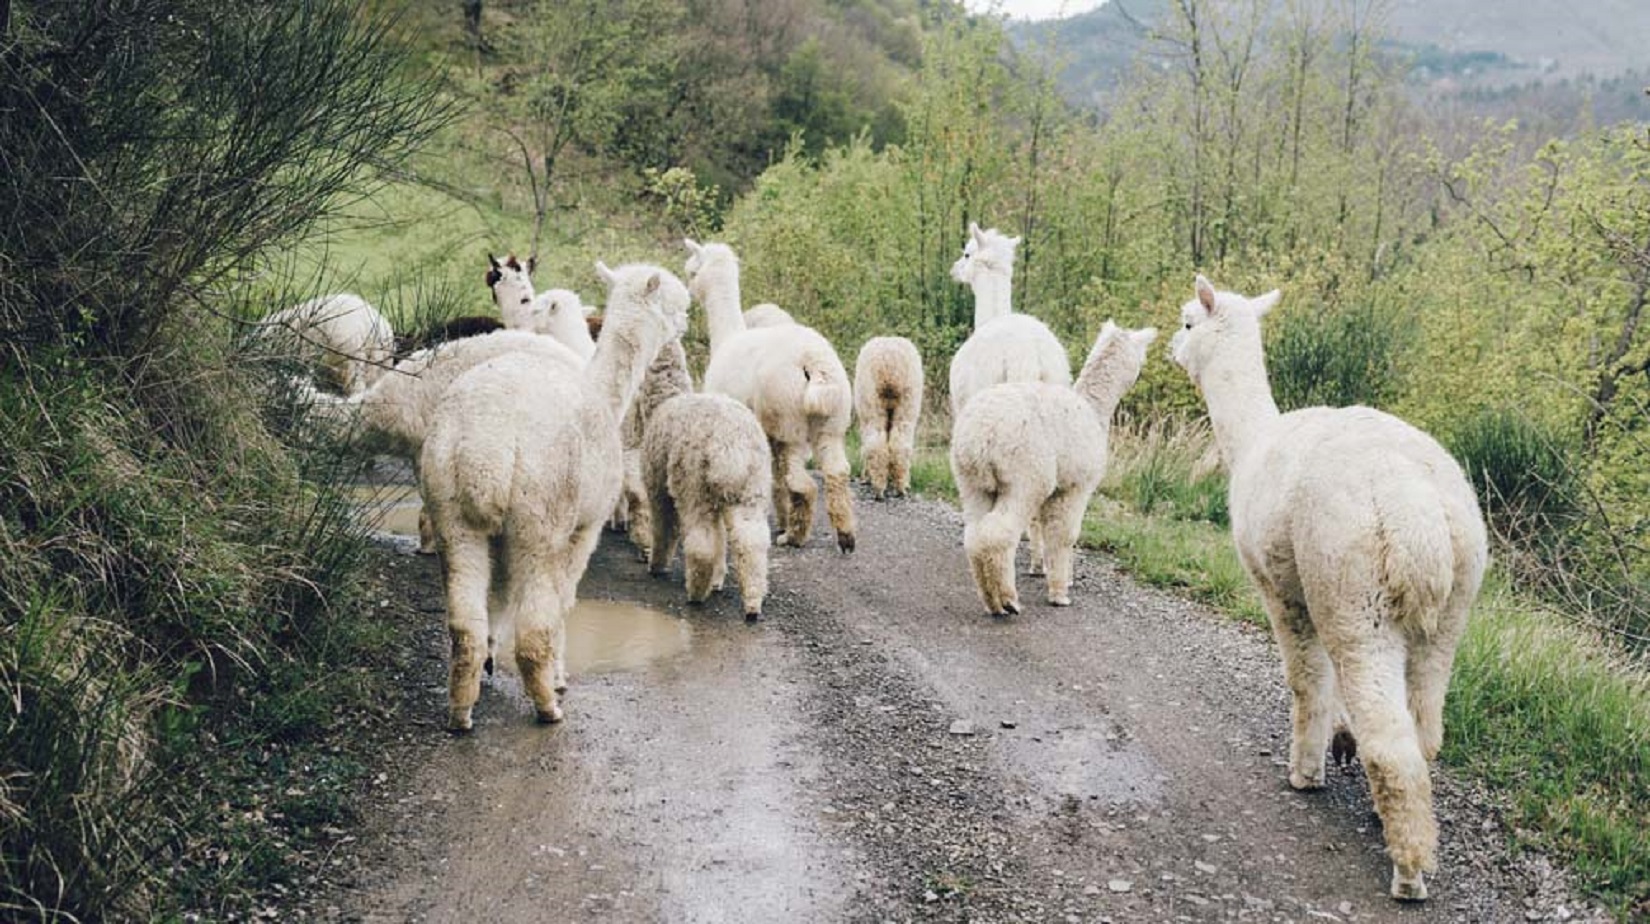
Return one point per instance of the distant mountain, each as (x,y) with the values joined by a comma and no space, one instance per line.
(1477,49)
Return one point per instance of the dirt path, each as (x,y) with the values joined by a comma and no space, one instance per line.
(877,749)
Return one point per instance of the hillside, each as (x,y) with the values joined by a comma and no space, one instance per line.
(1492,56)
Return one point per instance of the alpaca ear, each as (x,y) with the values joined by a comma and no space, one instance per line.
(1265,303)
(1109,327)
(652,284)
(975,232)
(1205,293)
(493,275)
(608,276)
(693,246)
(492,261)
(1144,336)
(532,264)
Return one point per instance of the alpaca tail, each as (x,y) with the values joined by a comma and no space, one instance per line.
(826,391)
(1417,554)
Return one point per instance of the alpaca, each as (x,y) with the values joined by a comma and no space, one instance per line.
(1005,347)
(1029,455)
(707,467)
(348,337)
(523,456)
(667,376)
(556,312)
(888,399)
(792,379)
(767,314)
(1366,543)
(469,325)
(397,410)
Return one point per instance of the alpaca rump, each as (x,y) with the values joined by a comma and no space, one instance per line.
(521,466)
(791,378)
(1028,456)
(1366,543)
(888,400)
(706,466)
(347,338)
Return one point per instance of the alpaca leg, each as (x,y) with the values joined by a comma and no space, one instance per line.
(662,523)
(839,499)
(719,557)
(874,454)
(1036,546)
(469,569)
(426,534)
(1428,670)
(1371,672)
(799,486)
(583,543)
(700,542)
(989,542)
(1313,703)
(902,445)
(781,491)
(1062,522)
(747,529)
(635,501)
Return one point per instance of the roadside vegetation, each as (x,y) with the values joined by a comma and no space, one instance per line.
(181,578)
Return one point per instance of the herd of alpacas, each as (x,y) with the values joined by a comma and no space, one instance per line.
(531,432)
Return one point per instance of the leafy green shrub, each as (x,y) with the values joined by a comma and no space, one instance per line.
(1335,356)
(1529,489)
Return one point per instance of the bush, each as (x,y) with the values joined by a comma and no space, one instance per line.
(1335,357)
(1525,481)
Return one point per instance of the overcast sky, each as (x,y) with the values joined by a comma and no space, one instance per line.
(1035,9)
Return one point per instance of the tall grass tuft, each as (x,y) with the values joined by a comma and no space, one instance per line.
(1165,466)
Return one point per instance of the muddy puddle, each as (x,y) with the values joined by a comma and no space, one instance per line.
(602,636)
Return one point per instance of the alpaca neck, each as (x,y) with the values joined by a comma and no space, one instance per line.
(992,296)
(1239,398)
(720,288)
(1102,384)
(621,361)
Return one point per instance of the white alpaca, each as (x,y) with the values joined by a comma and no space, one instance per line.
(1004,347)
(667,376)
(1029,455)
(888,400)
(1368,548)
(792,379)
(707,468)
(344,334)
(397,410)
(768,314)
(555,312)
(524,454)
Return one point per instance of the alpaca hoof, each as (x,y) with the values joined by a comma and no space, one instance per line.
(550,716)
(1343,747)
(459,723)
(879,496)
(1035,569)
(1304,782)
(1409,888)
(1011,607)
(487,666)
(845,542)
(1059,600)
(753,616)
(426,551)
(561,688)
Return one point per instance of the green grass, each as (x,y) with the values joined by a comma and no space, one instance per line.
(1187,556)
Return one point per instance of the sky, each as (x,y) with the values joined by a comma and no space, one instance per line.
(1034,9)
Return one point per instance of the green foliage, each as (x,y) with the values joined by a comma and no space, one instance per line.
(1522,473)
(1335,356)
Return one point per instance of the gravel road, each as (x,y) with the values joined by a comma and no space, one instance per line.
(877,749)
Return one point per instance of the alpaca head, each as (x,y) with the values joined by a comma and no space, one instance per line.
(639,292)
(562,305)
(987,251)
(1214,319)
(511,283)
(1119,354)
(706,263)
